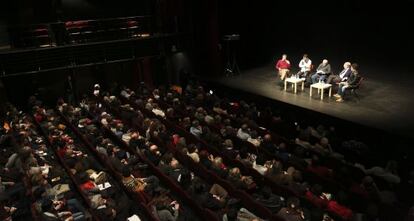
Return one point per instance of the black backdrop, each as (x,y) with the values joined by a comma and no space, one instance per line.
(371,32)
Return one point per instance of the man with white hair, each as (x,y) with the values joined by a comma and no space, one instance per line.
(322,72)
(342,76)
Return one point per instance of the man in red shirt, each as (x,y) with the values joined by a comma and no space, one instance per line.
(283,66)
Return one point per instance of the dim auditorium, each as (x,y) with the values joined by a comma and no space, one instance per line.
(158,110)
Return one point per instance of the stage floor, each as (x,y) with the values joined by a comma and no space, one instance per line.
(385,102)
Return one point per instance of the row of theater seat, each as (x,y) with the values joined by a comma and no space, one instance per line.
(212,178)
(82,31)
(41,167)
(262,180)
(204,214)
(84,155)
(247,199)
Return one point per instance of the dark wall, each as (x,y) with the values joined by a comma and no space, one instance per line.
(364,31)
(32,11)
(51,85)
(81,9)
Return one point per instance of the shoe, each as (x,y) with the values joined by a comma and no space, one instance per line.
(340,100)
(337,95)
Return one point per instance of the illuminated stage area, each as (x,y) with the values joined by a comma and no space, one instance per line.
(384,101)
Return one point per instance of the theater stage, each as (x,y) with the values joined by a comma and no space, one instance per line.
(385,103)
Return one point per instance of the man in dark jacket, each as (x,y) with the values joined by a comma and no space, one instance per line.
(352,82)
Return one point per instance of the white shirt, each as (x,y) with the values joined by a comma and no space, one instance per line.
(158,112)
(242,135)
(341,75)
(305,65)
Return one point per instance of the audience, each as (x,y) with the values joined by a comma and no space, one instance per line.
(305,166)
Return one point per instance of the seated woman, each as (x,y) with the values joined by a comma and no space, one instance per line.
(238,180)
(352,82)
(292,211)
(148,185)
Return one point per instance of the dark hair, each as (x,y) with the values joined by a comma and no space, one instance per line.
(191,148)
(243,152)
(232,215)
(83,177)
(254,134)
(266,192)
(126,172)
(46,205)
(316,189)
(198,187)
(355,66)
(297,176)
(293,202)
(37,193)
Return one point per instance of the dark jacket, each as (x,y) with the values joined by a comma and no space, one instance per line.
(325,68)
(354,79)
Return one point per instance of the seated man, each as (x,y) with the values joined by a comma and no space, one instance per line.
(322,72)
(352,81)
(283,66)
(342,76)
(305,67)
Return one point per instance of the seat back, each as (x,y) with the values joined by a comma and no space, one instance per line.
(358,85)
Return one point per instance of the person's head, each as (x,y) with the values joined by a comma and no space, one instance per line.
(191,148)
(354,67)
(267,137)
(47,205)
(199,187)
(297,176)
(195,123)
(254,134)
(316,189)
(305,56)
(174,163)
(126,172)
(284,56)
(347,65)
(135,135)
(315,161)
(293,202)
(218,161)
(228,143)
(324,142)
(368,182)
(153,148)
(325,61)
(83,177)
(282,146)
(244,127)
(235,171)
(266,192)
(182,141)
(392,166)
(232,215)
(39,192)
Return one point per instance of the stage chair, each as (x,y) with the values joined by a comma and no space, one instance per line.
(353,90)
